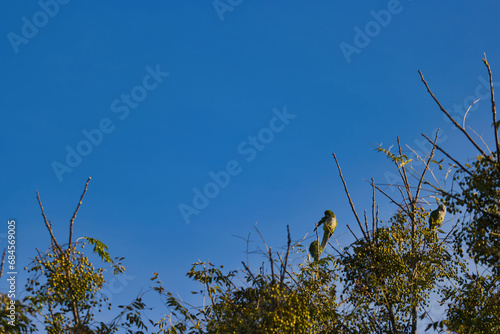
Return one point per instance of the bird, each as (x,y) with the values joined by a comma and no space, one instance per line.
(315,249)
(437,217)
(329,220)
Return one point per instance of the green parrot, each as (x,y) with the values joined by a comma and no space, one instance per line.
(315,249)
(437,217)
(329,222)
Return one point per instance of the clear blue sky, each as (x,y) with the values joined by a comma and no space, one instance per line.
(171,93)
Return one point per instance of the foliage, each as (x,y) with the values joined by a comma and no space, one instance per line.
(291,300)
(389,275)
(23,313)
(67,284)
(474,305)
(479,195)
(390,278)
(65,289)
(472,298)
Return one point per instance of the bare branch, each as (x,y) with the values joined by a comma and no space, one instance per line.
(427,165)
(3,262)
(451,118)
(349,197)
(473,103)
(272,263)
(430,171)
(49,225)
(493,110)
(286,271)
(404,200)
(405,177)
(373,206)
(249,271)
(261,237)
(391,199)
(289,242)
(367,228)
(248,242)
(335,249)
(480,137)
(449,157)
(76,211)
(352,232)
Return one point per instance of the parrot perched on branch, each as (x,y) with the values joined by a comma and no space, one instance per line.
(315,249)
(437,217)
(329,222)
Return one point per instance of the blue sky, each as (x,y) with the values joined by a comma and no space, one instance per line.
(171,93)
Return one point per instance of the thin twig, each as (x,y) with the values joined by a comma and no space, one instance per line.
(443,151)
(272,263)
(3,261)
(404,200)
(349,197)
(480,137)
(287,272)
(353,233)
(430,171)
(261,237)
(49,225)
(289,241)
(76,211)
(473,103)
(451,118)
(427,165)
(493,110)
(249,271)
(341,255)
(405,179)
(391,199)
(373,206)
(367,228)
(248,242)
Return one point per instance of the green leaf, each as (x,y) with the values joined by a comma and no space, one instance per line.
(100,249)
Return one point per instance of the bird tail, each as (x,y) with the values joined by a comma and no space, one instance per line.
(326,237)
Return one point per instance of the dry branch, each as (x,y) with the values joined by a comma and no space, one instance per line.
(349,197)
(451,118)
(49,225)
(76,211)
(493,110)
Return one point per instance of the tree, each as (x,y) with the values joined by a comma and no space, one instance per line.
(387,277)
(390,272)
(64,289)
(383,282)
(282,298)
(473,305)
